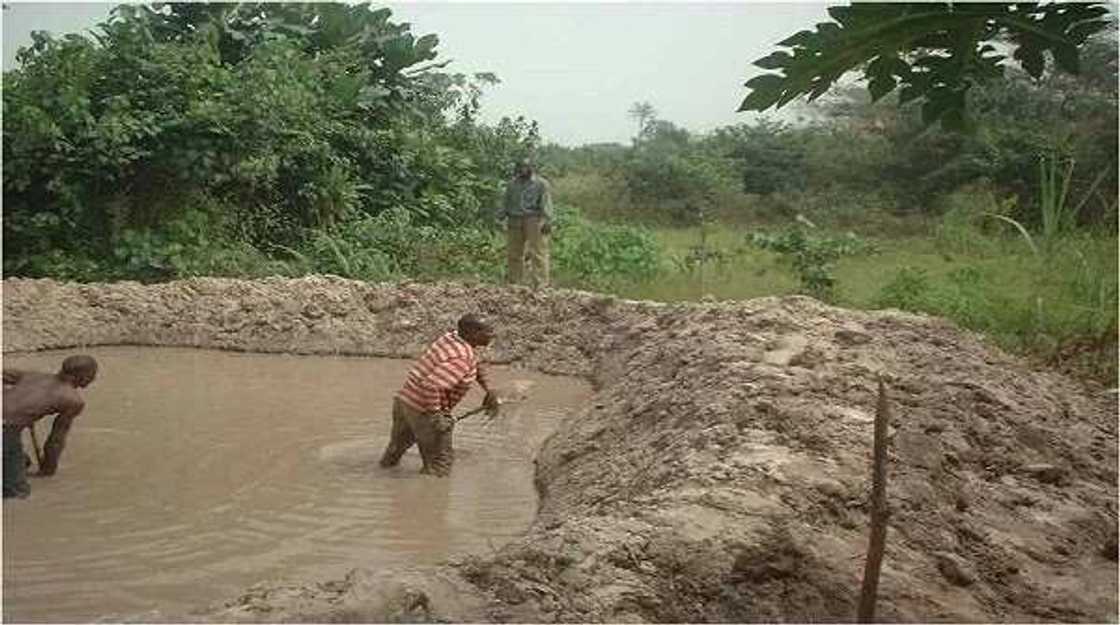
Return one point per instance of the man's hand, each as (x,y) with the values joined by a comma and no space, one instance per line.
(490,402)
(12,376)
(443,421)
(546,228)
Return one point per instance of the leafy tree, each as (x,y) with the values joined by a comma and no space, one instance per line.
(596,157)
(660,134)
(769,155)
(644,113)
(672,172)
(934,51)
(276,120)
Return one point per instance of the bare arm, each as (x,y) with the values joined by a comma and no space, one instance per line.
(491,399)
(13,376)
(546,202)
(508,201)
(483,377)
(56,442)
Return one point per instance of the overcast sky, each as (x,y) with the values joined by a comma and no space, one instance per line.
(574,67)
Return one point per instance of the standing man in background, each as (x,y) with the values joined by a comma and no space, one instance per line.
(528,210)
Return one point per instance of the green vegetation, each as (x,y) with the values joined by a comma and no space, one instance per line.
(812,257)
(254,139)
(1061,307)
(1008,229)
(285,139)
(935,52)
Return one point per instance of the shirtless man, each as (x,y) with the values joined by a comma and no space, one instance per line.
(30,396)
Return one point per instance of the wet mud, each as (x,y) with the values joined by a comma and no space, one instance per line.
(194,472)
(721,470)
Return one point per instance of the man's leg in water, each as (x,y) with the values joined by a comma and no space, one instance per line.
(15,471)
(433,435)
(400,437)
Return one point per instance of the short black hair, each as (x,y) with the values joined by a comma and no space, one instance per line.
(472,322)
(79,365)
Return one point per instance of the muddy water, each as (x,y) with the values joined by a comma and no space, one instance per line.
(193,474)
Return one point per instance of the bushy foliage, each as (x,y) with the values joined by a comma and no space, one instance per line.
(297,119)
(932,52)
(853,155)
(595,254)
(964,297)
(1066,313)
(770,155)
(560,161)
(812,257)
(671,173)
(681,186)
(396,245)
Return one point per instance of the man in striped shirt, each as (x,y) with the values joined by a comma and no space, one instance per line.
(436,383)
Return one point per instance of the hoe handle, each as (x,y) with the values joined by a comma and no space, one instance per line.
(35,446)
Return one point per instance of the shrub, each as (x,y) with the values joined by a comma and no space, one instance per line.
(909,290)
(593,254)
(970,216)
(682,185)
(812,257)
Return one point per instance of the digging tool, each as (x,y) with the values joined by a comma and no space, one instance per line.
(478,410)
(35,446)
(470,413)
(522,389)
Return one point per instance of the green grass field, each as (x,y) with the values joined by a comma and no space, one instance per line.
(1059,304)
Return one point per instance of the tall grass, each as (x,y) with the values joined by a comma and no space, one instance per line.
(1058,215)
(1056,303)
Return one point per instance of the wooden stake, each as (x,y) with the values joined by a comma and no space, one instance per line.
(35,446)
(879,512)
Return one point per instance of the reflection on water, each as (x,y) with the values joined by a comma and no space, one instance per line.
(193,474)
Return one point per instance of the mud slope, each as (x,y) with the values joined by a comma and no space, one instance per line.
(721,473)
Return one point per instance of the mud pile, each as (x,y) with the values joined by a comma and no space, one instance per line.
(722,470)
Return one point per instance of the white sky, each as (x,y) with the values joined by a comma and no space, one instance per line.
(575,67)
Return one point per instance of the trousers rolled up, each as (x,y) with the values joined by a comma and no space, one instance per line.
(430,431)
(15,465)
(527,245)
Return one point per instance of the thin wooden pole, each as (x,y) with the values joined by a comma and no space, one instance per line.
(35,446)
(879,512)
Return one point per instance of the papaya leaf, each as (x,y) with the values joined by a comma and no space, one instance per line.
(776,60)
(949,44)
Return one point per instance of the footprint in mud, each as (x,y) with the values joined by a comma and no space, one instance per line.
(516,390)
(783,350)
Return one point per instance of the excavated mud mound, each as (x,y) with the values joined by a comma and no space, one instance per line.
(722,470)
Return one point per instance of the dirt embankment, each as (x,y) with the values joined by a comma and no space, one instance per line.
(721,473)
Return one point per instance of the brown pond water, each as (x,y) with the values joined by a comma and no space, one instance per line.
(193,474)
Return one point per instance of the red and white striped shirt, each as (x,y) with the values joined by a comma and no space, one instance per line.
(442,376)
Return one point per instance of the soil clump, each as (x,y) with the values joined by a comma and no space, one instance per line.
(721,472)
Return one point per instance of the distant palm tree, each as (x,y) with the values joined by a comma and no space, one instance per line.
(644,113)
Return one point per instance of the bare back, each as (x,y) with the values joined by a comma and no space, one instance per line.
(37,395)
